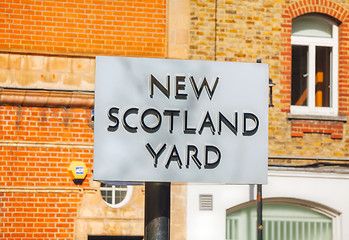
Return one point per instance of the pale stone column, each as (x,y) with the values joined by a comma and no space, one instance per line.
(178,23)
(178,13)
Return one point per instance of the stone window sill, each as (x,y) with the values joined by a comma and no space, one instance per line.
(317,117)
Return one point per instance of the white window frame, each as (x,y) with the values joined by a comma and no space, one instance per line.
(113,189)
(312,43)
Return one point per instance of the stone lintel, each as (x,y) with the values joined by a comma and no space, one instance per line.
(46,98)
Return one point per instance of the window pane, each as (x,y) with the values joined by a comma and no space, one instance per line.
(323,77)
(119,196)
(300,74)
(311,26)
(104,193)
(113,194)
(107,196)
(280,222)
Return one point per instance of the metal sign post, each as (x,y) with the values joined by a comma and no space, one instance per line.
(259,186)
(259,212)
(157,211)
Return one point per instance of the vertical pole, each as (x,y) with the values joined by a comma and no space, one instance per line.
(259,198)
(259,212)
(157,211)
(259,202)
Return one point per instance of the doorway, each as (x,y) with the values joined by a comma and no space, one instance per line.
(115,238)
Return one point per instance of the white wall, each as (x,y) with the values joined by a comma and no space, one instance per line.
(331,190)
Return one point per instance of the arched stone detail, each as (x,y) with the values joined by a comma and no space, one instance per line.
(317,207)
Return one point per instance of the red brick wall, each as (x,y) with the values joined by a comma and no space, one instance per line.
(338,12)
(128,27)
(34,216)
(39,199)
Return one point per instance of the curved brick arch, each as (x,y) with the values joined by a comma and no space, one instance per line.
(320,6)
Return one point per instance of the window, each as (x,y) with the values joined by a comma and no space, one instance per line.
(314,89)
(115,195)
(280,221)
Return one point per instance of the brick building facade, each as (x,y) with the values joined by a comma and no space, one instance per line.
(47,52)
(246,30)
(308,147)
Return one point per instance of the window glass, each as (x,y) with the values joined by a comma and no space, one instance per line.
(280,221)
(299,75)
(115,195)
(310,26)
(323,77)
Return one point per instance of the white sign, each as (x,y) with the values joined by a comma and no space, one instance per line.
(180,121)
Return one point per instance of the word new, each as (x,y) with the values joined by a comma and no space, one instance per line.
(180,87)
